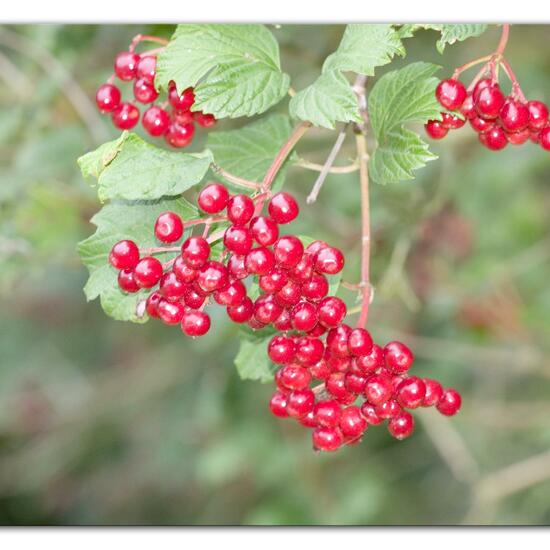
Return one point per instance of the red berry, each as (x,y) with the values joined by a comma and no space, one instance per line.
(355,383)
(489,101)
(155,121)
(264,230)
(402,425)
(283,208)
(316,288)
(337,340)
(148,272)
(308,420)
(369,412)
(327,413)
(304,316)
(259,261)
(195,323)
(336,385)
(236,267)
(378,388)
(232,295)
(318,330)
(331,311)
(203,119)
(144,91)
(360,342)
(107,98)
(168,227)
(146,67)
(237,240)
(538,114)
(293,377)
(281,350)
(398,357)
(320,370)
(411,392)
(179,135)
(450,93)
(518,138)
(151,304)
(309,350)
(352,423)
(240,209)
(182,117)
(213,198)
(451,121)
(371,362)
(241,313)
(289,295)
(193,298)
(183,101)
(213,276)
(183,272)
(288,251)
(481,85)
(494,139)
(273,281)
(468,109)
(449,403)
(125,116)
(126,281)
(266,309)
(277,405)
(170,313)
(544,138)
(124,255)
(434,391)
(337,364)
(435,129)
(300,402)
(195,252)
(170,287)
(389,409)
(126,65)
(302,272)
(329,260)
(326,439)
(315,247)
(283,323)
(514,115)
(481,125)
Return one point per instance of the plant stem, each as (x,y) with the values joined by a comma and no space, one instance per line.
(146,38)
(159,250)
(470,64)
(503,39)
(236,180)
(348,169)
(516,88)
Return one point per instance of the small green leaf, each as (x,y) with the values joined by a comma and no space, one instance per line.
(137,170)
(235,69)
(252,361)
(400,97)
(114,222)
(449,33)
(249,151)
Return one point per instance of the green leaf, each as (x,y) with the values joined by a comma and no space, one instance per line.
(401,97)
(132,169)
(249,151)
(235,69)
(449,33)
(252,361)
(328,100)
(114,222)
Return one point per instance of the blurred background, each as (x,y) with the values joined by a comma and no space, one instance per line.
(103,422)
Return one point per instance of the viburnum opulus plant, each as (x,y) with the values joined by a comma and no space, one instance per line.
(156,255)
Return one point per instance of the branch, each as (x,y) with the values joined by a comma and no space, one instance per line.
(236,180)
(348,169)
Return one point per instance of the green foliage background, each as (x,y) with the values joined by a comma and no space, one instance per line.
(103,422)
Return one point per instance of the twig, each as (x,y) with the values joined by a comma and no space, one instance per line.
(236,180)
(348,169)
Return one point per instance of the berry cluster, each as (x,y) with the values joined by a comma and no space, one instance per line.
(498,119)
(176,124)
(292,296)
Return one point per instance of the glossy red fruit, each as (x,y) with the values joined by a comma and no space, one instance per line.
(107,98)
(293,377)
(302,272)
(203,119)
(193,298)
(337,340)
(489,101)
(232,295)
(309,350)
(273,281)
(388,409)
(146,67)
(304,316)
(213,276)
(289,295)
(316,288)
(148,272)
(170,313)
(277,405)
(183,101)
(337,364)
(236,267)
(494,139)
(144,91)
(352,423)
(327,413)
(514,116)
(283,323)
(308,420)
(538,115)
(125,116)
(544,138)
(168,227)
(468,109)
(241,313)
(336,385)
(283,208)
(259,261)
(318,330)
(398,357)
(126,65)
(370,363)
(378,388)
(195,323)
(518,138)
(402,425)
(264,230)
(179,135)
(331,311)
(435,129)
(155,121)
(360,342)
(449,403)
(124,255)
(195,252)
(329,260)
(126,281)
(182,117)
(281,350)
(240,209)
(237,240)
(170,287)
(183,272)
(481,125)
(266,309)
(151,304)
(326,439)
(450,93)
(451,121)
(288,251)
(320,371)
(370,415)
(213,198)
(434,391)
(411,392)
(315,246)
(300,402)
(355,383)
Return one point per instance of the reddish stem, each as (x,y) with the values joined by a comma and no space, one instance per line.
(159,250)
(503,39)
(516,88)
(470,64)
(146,38)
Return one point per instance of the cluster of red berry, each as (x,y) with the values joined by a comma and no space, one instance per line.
(177,125)
(292,295)
(497,119)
